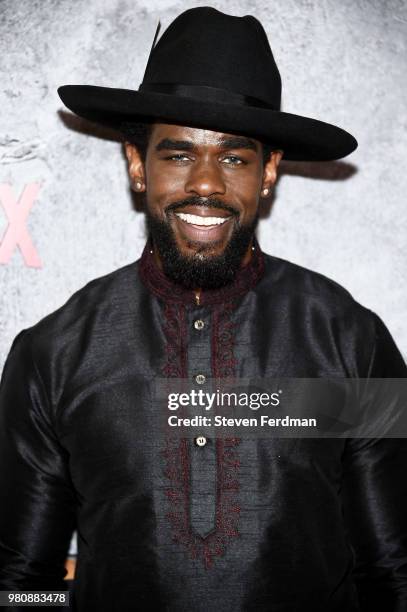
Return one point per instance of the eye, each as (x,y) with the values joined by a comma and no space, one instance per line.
(178,157)
(233,160)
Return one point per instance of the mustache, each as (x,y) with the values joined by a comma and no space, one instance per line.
(199,201)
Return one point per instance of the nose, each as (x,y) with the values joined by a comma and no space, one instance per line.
(205,179)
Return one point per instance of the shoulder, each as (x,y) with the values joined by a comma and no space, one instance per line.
(95,305)
(325,309)
(290,281)
(317,305)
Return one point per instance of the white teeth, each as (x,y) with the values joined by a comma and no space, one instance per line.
(198,220)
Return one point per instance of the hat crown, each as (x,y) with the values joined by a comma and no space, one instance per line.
(205,47)
(212,71)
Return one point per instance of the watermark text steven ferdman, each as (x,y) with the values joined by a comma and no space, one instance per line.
(217,400)
(222,421)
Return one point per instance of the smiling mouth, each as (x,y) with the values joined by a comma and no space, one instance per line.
(201,221)
(209,226)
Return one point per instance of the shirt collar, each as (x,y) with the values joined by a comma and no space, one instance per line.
(158,283)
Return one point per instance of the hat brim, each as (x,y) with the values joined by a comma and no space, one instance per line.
(301,138)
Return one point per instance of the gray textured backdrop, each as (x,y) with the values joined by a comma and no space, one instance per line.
(343,62)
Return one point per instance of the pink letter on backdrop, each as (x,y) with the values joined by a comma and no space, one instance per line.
(16,233)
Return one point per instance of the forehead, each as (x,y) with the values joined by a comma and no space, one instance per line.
(200,137)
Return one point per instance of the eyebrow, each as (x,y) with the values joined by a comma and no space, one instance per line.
(233,142)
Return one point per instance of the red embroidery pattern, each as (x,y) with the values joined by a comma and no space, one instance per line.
(175,332)
(223,360)
(227,509)
(176,453)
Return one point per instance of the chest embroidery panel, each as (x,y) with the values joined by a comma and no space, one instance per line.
(203,481)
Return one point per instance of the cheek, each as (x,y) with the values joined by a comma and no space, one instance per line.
(246,191)
(162,190)
(161,182)
(245,181)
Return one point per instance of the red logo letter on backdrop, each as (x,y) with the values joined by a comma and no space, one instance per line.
(17,233)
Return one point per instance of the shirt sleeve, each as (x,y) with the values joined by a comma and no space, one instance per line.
(37,513)
(375,499)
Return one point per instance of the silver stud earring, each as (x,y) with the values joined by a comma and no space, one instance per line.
(138,185)
(265,192)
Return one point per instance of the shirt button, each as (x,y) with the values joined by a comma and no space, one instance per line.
(200,440)
(199,324)
(200,379)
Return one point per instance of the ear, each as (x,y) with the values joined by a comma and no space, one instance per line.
(135,167)
(270,172)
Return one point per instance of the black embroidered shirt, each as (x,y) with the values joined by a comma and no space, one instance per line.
(236,524)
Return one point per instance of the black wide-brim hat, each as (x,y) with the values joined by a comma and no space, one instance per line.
(213,71)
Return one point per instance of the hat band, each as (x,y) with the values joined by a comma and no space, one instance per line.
(207,93)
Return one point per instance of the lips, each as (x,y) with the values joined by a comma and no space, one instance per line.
(203,224)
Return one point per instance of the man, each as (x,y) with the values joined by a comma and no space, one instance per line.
(210,522)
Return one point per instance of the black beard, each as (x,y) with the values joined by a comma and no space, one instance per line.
(200,270)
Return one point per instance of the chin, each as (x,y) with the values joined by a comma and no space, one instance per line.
(188,247)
